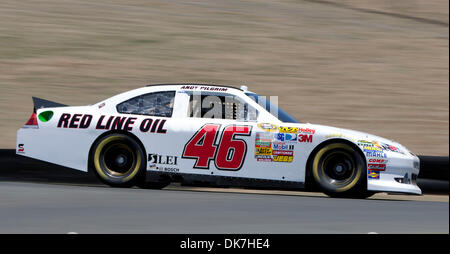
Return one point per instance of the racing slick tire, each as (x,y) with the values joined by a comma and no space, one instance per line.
(340,171)
(118,160)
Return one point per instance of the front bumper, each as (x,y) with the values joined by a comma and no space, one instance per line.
(399,176)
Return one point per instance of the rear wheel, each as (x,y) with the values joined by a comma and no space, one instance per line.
(340,171)
(118,160)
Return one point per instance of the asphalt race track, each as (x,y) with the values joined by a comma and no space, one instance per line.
(92,208)
(38,197)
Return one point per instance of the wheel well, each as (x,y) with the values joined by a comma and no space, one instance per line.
(309,182)
(129,134)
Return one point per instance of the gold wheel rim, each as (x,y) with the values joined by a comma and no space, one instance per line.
(99,160)
(320,175)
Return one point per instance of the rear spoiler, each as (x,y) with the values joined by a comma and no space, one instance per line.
(41,103)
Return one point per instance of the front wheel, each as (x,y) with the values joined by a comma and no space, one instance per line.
(340,171)
(118,160)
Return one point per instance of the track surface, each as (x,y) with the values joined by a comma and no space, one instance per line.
(56,208)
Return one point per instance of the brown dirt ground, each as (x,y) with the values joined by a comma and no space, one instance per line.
(375,66)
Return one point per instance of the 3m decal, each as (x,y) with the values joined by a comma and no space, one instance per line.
(305,138)
(231,151)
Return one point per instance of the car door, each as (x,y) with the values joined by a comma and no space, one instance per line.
(222,137)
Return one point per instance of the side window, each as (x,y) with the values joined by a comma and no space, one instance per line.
(152,104)
(220,106)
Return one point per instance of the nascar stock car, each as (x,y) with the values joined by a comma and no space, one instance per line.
(162,133)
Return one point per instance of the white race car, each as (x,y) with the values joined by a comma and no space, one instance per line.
(163,133)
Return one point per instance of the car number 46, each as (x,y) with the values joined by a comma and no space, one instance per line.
(230,152)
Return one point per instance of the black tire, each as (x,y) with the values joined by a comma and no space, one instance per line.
(340,171)
(118,160)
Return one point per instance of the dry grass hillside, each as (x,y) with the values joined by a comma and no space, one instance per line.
(375,66)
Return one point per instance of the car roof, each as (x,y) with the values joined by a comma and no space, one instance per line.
(194,84)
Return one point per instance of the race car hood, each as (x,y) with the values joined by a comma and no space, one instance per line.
(355,136)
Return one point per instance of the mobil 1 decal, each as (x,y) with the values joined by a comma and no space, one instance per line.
(123,123)
(225,148)
(276,147)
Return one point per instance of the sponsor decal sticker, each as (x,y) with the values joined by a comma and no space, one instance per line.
(160,159)
(264,135)
(305,138)
(263,143)
(276,147)
(373,174)
(21,148)
(371,148)
(124,123)
(268,127)
(286,137)
(306,130)
(378,161)
(376,146)
(264,158)
(288,130)
(163,160)
(375,154)
(281,152)
(263,151)
(376,167)
(375,143)
(364,143)
(283,158)
(282,146)
(204,88)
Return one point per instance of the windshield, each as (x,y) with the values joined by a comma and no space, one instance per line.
(272,108)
